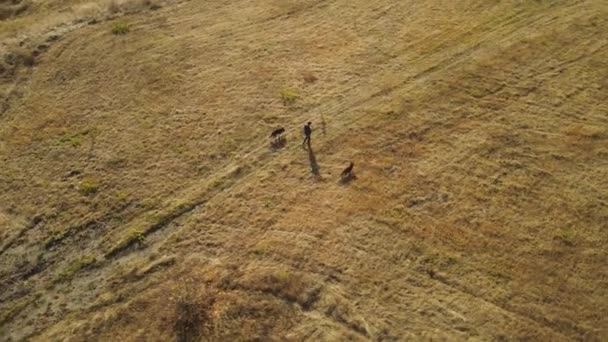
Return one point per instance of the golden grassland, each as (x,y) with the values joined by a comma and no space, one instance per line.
(140,198)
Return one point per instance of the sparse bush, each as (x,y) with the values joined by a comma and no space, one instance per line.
(20,57)
(121,196)
(72,139)
(137,235)
(75,139)
(120,28)
(289,96)
(88,187)
(193,308)
(291,286)
(134,236)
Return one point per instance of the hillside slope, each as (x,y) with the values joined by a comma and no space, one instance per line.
(140,199)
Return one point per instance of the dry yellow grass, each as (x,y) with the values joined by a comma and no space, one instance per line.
(478,130)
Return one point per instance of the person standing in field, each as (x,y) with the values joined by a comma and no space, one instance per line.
(307,134)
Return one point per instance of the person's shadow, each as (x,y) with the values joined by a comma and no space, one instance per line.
(314,166)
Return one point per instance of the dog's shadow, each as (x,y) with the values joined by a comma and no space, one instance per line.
(347,179)
(278,143)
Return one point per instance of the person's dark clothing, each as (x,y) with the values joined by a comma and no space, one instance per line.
(307,133)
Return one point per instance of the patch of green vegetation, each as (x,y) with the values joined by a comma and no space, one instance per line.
(76,266)
(121,196)
(88,187)
(183,206)
(55,238)
(58,236)
(73,140)
(282,275)
(120,28)
(289,96)
(137,235)
(152,221)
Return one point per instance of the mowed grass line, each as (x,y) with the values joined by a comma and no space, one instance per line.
(151,222)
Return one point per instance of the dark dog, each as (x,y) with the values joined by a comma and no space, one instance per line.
(348,171)
(277,132)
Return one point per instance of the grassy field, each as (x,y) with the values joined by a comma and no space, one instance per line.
(140,198)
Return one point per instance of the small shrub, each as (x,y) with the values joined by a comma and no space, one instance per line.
(120,28)
(193,308)
(289,96)
(282,276)
(20,57)
(137,235)
(71,139)
(75,139)
(88,187)
(121,196)
(282,283)
(134,236)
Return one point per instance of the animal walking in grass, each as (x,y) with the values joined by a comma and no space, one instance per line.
(277,133)
(307,134)
(348,171)
(278,138)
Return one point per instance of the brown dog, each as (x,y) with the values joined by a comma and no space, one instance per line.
(277,132)
(348,171)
